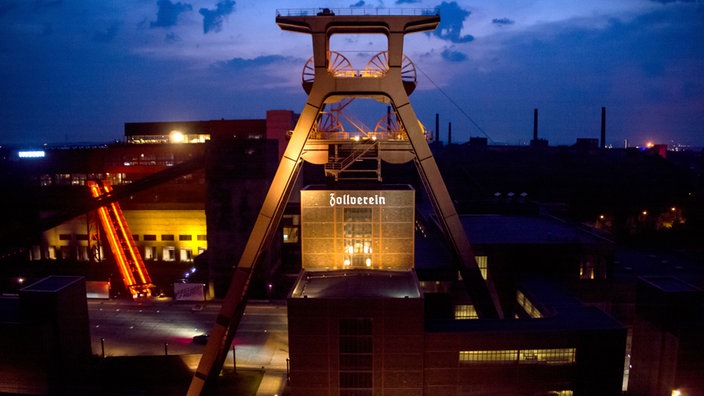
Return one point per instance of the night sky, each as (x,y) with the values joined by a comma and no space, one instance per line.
(76,71)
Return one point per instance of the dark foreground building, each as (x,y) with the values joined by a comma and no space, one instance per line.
(45,337)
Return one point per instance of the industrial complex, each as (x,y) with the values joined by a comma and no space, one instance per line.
(406,265)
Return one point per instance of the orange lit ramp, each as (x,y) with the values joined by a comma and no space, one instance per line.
(127,258)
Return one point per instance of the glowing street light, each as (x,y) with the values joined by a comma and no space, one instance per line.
(176,137)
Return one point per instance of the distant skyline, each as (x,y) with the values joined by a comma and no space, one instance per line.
(76,71)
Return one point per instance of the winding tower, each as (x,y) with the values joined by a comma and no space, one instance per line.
(330,81)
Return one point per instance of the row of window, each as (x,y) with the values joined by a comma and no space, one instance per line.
(556,356)
(465,311)
(84,253)
(146,237)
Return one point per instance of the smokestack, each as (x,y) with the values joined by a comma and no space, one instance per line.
(603,127)
(449,133)
(535,124)
(437,126)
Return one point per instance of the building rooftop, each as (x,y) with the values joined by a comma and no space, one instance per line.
(506,229)
(670,284)
(52,284)
(357,284)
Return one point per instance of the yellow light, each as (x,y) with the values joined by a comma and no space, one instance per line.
(673,208)
(676,392)
(601,217)
(650,145)
(368,262)
(645,212)
(176,137)
(347,262)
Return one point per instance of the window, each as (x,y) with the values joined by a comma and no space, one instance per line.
(358,237)
(150,252)
(586,268)
(553,356)
(290,234)
(167,237)
(168,253)
(483,264)
(81,237)
(202,237)
(465,312)
(356,359)
(528,306)
(492,357)
(149,237)
(185,237)
(64,237)
(186,255)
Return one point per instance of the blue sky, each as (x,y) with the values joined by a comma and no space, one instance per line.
(76,71)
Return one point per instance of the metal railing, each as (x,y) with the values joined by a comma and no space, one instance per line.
(356,11)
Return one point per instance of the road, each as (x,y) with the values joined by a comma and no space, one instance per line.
(158,327)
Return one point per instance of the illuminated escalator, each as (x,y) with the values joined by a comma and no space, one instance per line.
(127,257)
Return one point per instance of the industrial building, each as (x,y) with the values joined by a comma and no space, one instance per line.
(389,296)
(360,320)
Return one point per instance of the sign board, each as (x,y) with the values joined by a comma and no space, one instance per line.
(98,289)
(189,291)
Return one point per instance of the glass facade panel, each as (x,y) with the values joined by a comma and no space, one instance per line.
(465,312)
(552,356)
(357,229)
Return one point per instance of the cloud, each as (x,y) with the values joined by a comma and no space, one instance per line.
(452,18)
(106,35)
(172,37)
(502,21)
(407,1)
(168,13)
(358,4)
(239,64)
(262,72)
(453,56)
(213,19)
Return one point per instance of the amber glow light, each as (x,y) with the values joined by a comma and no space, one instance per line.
(123,254)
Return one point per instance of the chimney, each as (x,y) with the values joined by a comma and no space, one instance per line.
(603,127)
(437,126)
(535,124)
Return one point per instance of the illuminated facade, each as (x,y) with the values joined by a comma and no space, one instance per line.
(167,215)
(353,229)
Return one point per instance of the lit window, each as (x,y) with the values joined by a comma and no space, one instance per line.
(465,312)
(290,234)
(552,356)
(169,253)
(483,263)
(527,305)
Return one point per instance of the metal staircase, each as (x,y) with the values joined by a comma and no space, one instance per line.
(358,161)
